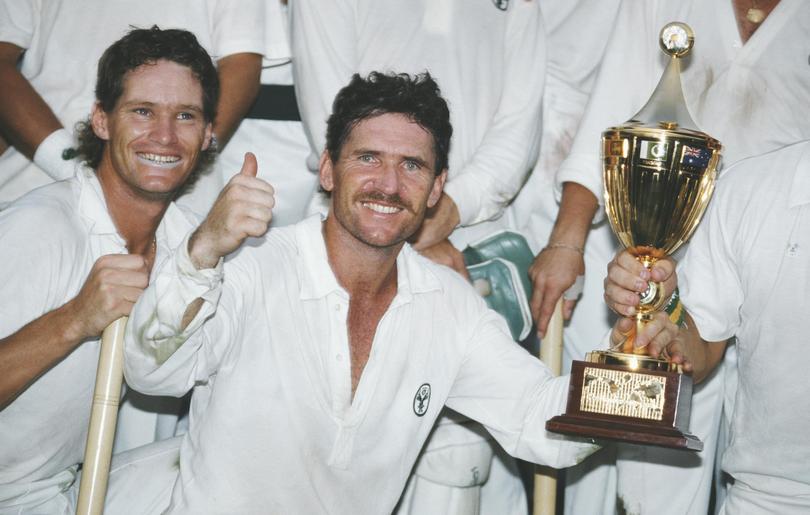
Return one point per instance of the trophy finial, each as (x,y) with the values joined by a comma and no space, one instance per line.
(666,107)
(677,39)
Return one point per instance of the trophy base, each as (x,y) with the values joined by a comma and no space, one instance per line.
(624,432)
(628,398)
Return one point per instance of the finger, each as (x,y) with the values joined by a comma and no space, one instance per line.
(622,330)
(249,167)
(632,265)
(568,308)
(621,301)
(661,328)
(120,262)
(550,298)
(630,280)
(535,302)
(663,270)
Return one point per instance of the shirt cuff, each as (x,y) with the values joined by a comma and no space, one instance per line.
(467,197)
(586,171)
(52,157)
(198,283)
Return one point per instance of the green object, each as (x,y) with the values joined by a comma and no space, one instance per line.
(499,269)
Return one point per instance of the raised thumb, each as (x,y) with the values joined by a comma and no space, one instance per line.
(249,167)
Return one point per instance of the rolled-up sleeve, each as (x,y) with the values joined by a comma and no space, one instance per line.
(161,356)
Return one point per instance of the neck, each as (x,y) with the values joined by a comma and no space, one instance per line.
(136,218)
(747,10)
(358,267)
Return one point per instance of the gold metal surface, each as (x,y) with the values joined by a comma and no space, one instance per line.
(632,361)
(623,393)
(659,172)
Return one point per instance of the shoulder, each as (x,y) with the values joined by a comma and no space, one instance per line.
(46,214)
(763,178)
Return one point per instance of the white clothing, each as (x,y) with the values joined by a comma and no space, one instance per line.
(743,95)
(576,32)
(281,432)
(50,239)
(746,274)
(488,63)
(63,42)
(280,146)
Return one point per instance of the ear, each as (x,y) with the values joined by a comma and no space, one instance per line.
(436,189)
(98,120)
(326,172)
(209,133)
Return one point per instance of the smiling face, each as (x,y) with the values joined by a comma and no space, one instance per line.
(155,132)
(383,181)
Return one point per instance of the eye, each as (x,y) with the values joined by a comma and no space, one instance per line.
(366,158)
(185,116)
(141,111)
(412,166)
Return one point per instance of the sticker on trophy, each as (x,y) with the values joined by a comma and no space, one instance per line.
(653,150)
(695,156)
(421,400)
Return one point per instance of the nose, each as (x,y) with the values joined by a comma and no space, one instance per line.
(388,180)
(163,130)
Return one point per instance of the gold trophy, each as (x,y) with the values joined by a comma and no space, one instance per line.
(659,173)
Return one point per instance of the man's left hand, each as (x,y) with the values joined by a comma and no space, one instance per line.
(440,221)
(446,254)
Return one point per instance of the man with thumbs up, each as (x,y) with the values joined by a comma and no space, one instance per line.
(326,350)
(79,253)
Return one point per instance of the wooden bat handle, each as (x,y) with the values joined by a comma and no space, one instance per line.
(103,417)
(545,478)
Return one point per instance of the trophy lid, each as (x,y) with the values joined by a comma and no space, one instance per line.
(666,108)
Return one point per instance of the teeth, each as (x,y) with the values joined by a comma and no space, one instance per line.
(379,208)
(159,159)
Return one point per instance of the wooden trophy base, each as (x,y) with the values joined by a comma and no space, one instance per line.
(639,400)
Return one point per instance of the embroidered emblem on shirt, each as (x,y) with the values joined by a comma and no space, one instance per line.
(501,4)
(793,249)
(421,400)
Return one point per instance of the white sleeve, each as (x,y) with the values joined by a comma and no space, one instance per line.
(628,74)
(160,356)
(513,394)
(325,57)
(238,27)
(493,176)
(710,287)
(17,22)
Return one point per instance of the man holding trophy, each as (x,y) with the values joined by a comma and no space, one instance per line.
(745,275)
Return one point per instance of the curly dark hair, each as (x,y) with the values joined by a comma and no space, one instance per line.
(137,48)
(418,97)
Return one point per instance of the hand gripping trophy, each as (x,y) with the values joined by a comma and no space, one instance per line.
(659,173)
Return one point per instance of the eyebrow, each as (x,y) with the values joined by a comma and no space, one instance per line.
(180,107)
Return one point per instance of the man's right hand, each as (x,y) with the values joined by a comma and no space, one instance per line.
(243,209)
(553,271)
(115,283)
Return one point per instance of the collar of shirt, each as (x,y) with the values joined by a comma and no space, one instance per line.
(93,209)
(317,279)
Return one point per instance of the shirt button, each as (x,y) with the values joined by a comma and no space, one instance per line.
(339,357)
(337,307)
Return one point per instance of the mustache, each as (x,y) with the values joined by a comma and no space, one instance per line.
(392,200)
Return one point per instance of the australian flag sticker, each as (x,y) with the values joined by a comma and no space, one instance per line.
(695,156)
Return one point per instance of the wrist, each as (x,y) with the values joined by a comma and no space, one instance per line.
(200,254)
(564,246)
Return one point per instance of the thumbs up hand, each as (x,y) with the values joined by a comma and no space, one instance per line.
(243,209)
